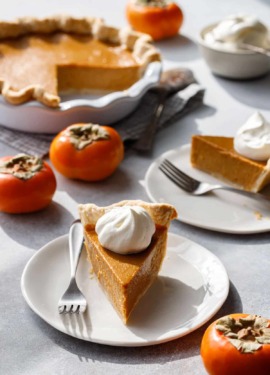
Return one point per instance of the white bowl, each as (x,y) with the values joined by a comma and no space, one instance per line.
(105,109)
(240,64)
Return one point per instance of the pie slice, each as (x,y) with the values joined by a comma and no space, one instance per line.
(40,58)
(126,278)
(216,156)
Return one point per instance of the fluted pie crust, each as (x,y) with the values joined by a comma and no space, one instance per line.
(126,278)
(39,58)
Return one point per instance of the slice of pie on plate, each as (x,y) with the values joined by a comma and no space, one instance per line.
(126,278)
(216,156)
(40,58)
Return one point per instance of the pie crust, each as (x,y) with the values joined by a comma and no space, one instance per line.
(42,57)
(126,278)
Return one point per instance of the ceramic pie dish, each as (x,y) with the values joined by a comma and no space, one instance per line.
(98,108)
(52,68)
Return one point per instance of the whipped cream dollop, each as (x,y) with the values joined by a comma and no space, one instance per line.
(253,138)
(236,29)
(125,230)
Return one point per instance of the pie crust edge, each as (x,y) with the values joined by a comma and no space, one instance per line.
(161,213)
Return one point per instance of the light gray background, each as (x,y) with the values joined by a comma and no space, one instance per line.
(30,346)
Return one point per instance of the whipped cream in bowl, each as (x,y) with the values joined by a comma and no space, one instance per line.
(234,31)
(253,138)
(125,230)
(224,47)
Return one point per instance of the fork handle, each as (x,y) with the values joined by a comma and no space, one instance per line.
(146,140)
(76,241)
(244,192)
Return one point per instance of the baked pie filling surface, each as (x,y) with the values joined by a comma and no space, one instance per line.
(65,57)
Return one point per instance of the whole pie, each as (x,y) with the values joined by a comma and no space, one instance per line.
(40,58)
(216,156)
(126,278)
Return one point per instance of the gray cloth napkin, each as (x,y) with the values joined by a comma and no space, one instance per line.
(130,128)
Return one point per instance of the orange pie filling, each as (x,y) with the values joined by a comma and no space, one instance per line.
(40,63)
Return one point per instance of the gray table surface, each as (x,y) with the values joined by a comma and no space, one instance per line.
(29,345)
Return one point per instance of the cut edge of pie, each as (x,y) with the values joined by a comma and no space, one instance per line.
(216,155)
(126,278)
(138,43)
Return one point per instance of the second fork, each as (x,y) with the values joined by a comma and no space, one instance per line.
(198,188)
(73,301)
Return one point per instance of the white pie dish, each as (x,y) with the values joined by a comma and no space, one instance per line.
(98,108)
(240,64)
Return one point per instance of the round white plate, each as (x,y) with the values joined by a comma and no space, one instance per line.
(219,211)
(191,287)
(98,108)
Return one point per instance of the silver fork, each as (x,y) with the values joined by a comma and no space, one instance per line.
(195,187)
(73,301)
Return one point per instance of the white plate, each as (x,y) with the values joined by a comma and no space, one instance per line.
(219,211)
(190,289)
(105,109)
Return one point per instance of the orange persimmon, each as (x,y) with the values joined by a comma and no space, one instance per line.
(88,152)
(27,184)
(159,18)
(237,344)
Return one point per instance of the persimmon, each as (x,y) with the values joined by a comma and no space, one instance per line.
(87,152)
(159,18)
(237,344)
(27,184)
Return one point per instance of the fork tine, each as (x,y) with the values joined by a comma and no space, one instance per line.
(68,308)
(75,309)
(183,175)
(191,183)
(178,176)
(82,308)
(61,309)
(180,183)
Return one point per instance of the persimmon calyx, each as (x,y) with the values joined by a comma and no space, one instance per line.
(22,166)
(246,334)
(152,3)
(83,135)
